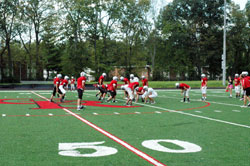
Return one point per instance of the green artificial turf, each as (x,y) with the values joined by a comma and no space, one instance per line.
(219,126)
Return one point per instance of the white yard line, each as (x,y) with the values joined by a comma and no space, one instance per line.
(116,139)
(193,115)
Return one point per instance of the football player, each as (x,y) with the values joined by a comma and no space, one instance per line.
(139,93)
(150,94)
(112,89)
(246,88)
(204,87)
(80,89)
(57,81)
(100,83)
(237,85)
(126,82)
(72,83)
(62,87)
(144,81)
(184,91)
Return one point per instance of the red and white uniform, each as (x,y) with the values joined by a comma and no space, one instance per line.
(57,81)
(113,85)
(72,81)
(126,81)
(100,80)
(133,85)
(144,82)
(184,86)
(63,84)
(140,89)
(80,81)
(246,82)
(204,85)
(237,84)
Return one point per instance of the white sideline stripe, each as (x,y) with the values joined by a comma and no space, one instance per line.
(116,139)
(198,116)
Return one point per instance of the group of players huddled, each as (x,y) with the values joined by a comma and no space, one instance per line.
(132,91)
(242,88)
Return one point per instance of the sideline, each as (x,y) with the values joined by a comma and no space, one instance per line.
(114,138)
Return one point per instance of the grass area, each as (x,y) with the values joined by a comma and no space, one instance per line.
(214,132)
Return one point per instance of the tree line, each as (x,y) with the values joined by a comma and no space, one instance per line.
(182,41)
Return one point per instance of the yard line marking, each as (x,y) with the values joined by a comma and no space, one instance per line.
(217,111)
(50,114)
(198,116)
(3,115)
(95,113)
(236,110)
(27,115)
(158,112)
(117,113)
(116,139)
(137,112)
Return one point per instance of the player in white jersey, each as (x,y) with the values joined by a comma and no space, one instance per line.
(150,94)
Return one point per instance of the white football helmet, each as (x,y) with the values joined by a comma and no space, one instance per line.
(203,75)
(136,79)
(236,75)
(122,87)
(66,77)
(245,73)
(82,74)
(145,88)
(104,74)
(177,85)
(137,88)
(59,75)
(115,78)
(121,78)
(131,76)
(142,77)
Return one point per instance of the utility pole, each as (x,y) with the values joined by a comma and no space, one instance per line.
(224,46)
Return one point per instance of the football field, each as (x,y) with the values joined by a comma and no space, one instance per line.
(34,131)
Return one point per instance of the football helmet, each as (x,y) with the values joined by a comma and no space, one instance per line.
(236,75)
(131,76)
(59,75)
(66,77)
(203,75)
(104,74)
(121,78)
(115,78)
(145,88)
(177,85)
(142,77)
(82,74)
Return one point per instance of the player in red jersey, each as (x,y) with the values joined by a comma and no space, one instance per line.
(237,85)
(184,91)
(204,87)
(246,88)
(62,86)
(72,83)
(130,90)
(144,81)
(103,89)
(80,89)
(112,89)
(126,82)
(57,81)
(139,92)
(100,83)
